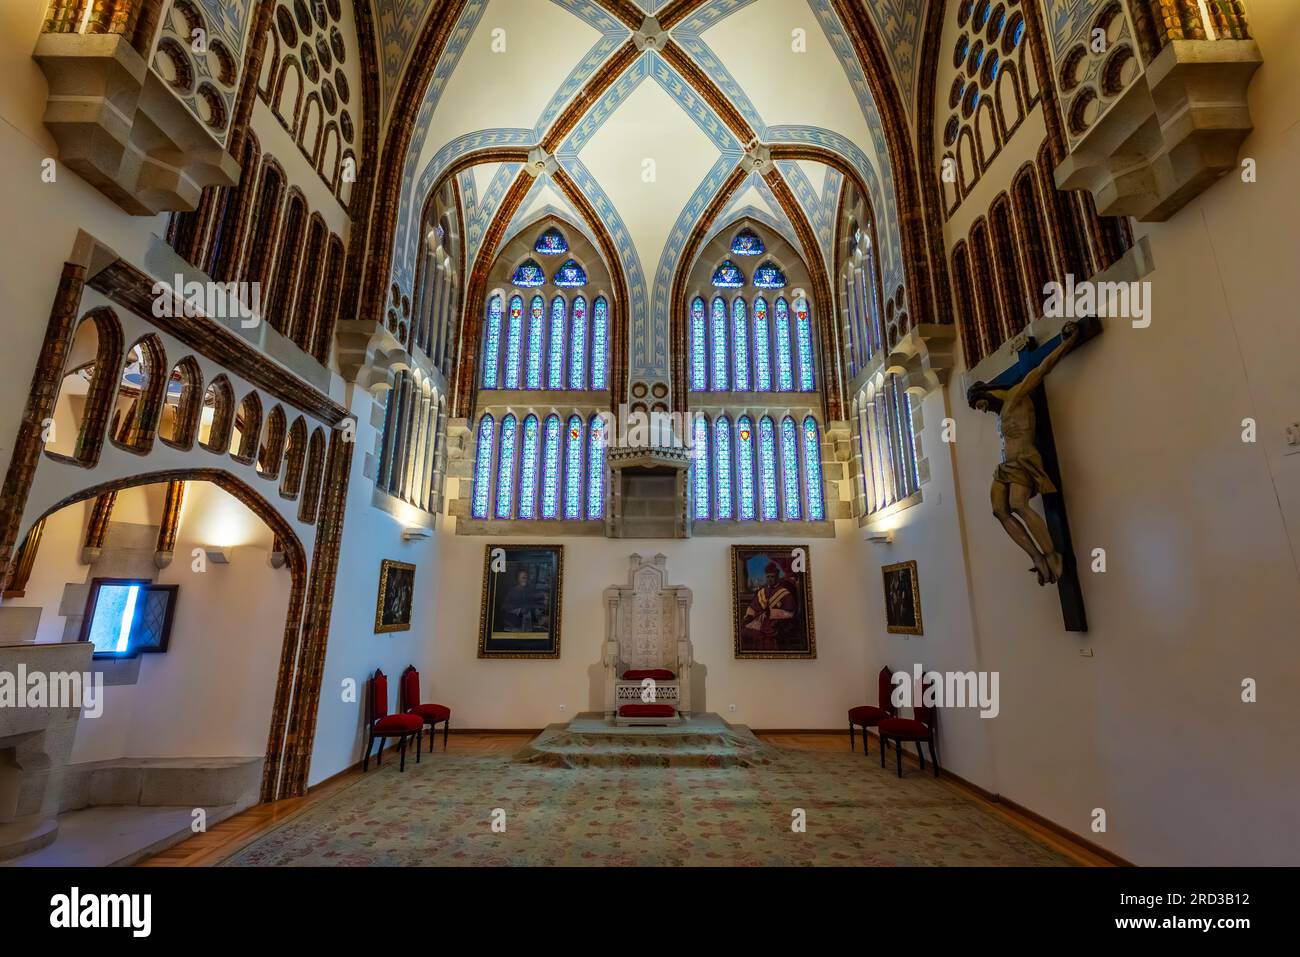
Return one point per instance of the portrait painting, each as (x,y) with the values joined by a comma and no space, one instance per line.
(396,592)
(519,616)
(902,599)
(772,602)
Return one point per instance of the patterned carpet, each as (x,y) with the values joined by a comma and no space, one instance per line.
(440,813)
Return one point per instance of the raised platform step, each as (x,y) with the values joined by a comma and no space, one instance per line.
(701,741)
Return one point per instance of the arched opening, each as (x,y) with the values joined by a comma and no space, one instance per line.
(315,474)
(218,416)
(247,431)
(182,406)
(86,390)
(295,456)
(139,396)
(271,451)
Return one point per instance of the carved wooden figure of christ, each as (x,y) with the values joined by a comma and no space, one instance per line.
(1029,466)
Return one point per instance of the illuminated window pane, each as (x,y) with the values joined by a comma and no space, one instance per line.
(570,275)
(533,362)
(784,361)
(740,342)
(578,345)
(555,357)
(506,467)
(718,331)
(803,340)
(599,342)
(551,467)
(482,468)
(722,465)
(728,276)
(700,467)
(514,341)
(699,354)
(746,243)
(769,276)
(767,468)
(528,469)
(745,467)
(762,347)
(790,468)
(596,469)
(492,343)
(551,243)
(529,274)
(573,468)
(812,460)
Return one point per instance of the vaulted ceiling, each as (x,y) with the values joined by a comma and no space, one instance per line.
(539,106)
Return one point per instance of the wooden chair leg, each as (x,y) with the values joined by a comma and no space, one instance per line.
(865,736)
(884,746)
(446,726)
(379,758)
(934,756)
(365,760)
(898,753)
(853,745)
(401,752)
(419,741)
(920,754)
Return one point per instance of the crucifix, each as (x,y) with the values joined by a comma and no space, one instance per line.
(1030,467)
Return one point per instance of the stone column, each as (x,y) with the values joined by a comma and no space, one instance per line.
(100,516)
(171,523)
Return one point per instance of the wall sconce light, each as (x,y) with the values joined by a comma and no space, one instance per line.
(416,533)
(218,555)
(882,538)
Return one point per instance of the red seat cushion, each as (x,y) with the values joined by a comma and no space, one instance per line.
(905,728)
(647,711)
(432,713)
(867,714)
(398,724)
(656,674)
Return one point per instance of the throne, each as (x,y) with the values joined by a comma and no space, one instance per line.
(647,648)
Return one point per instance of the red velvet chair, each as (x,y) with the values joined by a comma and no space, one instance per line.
(919,728)
(867,716)
(429,714)
(384,725)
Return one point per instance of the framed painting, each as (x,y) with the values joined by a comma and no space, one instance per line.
(902,599)
(396,590)
(772,601)
(519,616)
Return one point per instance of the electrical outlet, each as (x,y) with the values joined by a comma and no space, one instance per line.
(731,707)
(564,707)
(1086,653)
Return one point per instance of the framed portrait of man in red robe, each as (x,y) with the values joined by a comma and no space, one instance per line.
(771,599)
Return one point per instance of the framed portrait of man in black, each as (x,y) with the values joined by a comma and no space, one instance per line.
(396,592)
(902,599)
(519,616)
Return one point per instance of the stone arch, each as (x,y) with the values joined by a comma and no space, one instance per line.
(247,431)
(103,360)
(180,418)
(139,404)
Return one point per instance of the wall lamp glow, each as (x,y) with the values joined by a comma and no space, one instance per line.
(882,538)
(218,555)
(416,533)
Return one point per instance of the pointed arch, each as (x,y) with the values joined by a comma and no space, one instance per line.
(271,452)
(295,457)
(183,405)
(218,416)
(247,432)
(140,396)
(91,370)
(315,475)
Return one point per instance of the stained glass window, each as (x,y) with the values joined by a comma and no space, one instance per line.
(722,465)
(555,360)
(578,345)
(718,330)
(492,343)
(482,468)
(699,356)
(533,360)
(529,273)
(700,467)
(728,276)
(570,274)
(745,467)
(803,341)
(514,341)
(599,342)
(506,467)
(740,342)
(767,468)
(528,469)
(812,460)
(551,243)
(784,363)
(746,243)
(769,276)
(596,468)
(790,468)
(551,467)
(762,347)
(573,468)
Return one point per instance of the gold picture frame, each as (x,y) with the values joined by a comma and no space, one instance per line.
(396,594)
(794,568)
(902,599)
(520,607)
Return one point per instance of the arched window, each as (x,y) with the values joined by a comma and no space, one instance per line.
(718,338)
(536,318)
(573,468)
(790,469)
(803,343)
(747,243)
(90,379)
(596,468)
(812,457)
(294,456)
(514,341)
(181,407)
(551,243)
(528,469)
(767,469)
(578,344)
(551,468)
(740,344)
(600,343)
(506,467)
(722,467)
(218,416)
(699,357)
(140,396)
(570,275)
(529,274)
(492,341)
(762,347)
(272,448)
(248,429)
(315,475)
(482,468)
(769,276)
(784,357)
(555,362)
(700,467)
(745,468)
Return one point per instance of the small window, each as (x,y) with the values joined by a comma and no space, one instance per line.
(126,617)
